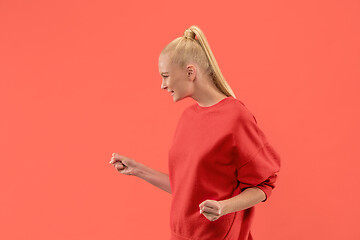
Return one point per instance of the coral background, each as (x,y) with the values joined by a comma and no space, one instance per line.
(79,80)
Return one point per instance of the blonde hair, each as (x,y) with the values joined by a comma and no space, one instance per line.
(193,47)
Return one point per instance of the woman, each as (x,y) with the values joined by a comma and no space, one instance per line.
(220,162)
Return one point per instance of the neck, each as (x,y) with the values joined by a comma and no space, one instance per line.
(208,94)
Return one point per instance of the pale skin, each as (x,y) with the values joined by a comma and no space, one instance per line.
(189,82)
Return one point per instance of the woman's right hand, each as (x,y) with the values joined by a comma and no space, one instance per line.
(123,164)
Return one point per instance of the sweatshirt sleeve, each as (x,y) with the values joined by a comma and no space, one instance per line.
(256,161)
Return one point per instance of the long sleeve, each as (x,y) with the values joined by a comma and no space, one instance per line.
(257,163)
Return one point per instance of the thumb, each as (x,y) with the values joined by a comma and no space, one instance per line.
(119,166)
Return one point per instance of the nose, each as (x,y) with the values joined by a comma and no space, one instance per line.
(163,85)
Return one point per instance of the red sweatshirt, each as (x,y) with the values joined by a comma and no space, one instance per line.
(217,152)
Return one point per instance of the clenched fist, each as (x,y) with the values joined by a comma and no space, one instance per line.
(212,209)
(124,164)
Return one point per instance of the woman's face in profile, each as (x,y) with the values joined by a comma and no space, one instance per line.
(174,79)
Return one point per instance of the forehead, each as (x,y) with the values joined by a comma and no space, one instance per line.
(164,66)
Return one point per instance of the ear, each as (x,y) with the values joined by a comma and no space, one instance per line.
(191,72)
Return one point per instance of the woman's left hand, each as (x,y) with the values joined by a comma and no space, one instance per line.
(212,209)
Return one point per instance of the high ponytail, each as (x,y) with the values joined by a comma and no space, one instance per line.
(193,46)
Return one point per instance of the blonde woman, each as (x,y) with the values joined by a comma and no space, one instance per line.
(220,162)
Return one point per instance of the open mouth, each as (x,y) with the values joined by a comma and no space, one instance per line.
(172,93)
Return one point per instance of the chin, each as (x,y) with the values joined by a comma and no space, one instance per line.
(176,98)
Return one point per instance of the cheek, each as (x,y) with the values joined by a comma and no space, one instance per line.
(173,84)
(183,88)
